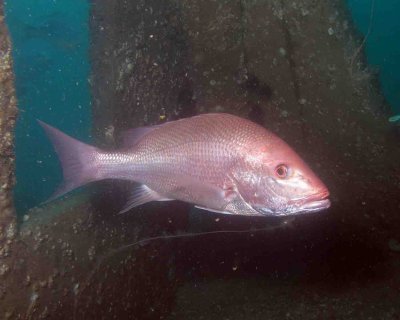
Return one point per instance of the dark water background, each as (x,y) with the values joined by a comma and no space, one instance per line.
(51,41)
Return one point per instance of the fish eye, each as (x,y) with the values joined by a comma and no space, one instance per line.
(281,171)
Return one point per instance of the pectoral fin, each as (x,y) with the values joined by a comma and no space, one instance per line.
(213,210)
(141,195)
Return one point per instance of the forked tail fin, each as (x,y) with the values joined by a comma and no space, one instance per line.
(78,160)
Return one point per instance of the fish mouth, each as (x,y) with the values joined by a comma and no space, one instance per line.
(316,202)
(313,203)
(316,205)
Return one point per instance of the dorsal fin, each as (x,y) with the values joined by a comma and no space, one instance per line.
(131,137)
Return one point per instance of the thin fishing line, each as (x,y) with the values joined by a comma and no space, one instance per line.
(165,237)
(371,18)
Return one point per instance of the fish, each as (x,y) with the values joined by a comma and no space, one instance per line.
(217,161)
(395,118)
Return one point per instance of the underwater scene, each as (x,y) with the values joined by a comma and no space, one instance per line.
(209,159)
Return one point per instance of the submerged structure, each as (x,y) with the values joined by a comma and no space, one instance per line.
(296,68)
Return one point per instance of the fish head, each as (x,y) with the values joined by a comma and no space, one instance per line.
(277,182)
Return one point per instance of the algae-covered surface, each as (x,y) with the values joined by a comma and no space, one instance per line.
(71,262)
(8,113)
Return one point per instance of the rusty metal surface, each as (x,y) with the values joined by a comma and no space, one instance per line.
(141,66)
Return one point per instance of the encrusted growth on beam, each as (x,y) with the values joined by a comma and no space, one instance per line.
(8,112)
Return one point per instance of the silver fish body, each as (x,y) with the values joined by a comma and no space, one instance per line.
(218,162)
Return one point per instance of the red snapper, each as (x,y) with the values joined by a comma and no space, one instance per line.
(218,162)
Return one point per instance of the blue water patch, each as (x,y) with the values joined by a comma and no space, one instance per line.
(50,50)
(383,42)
